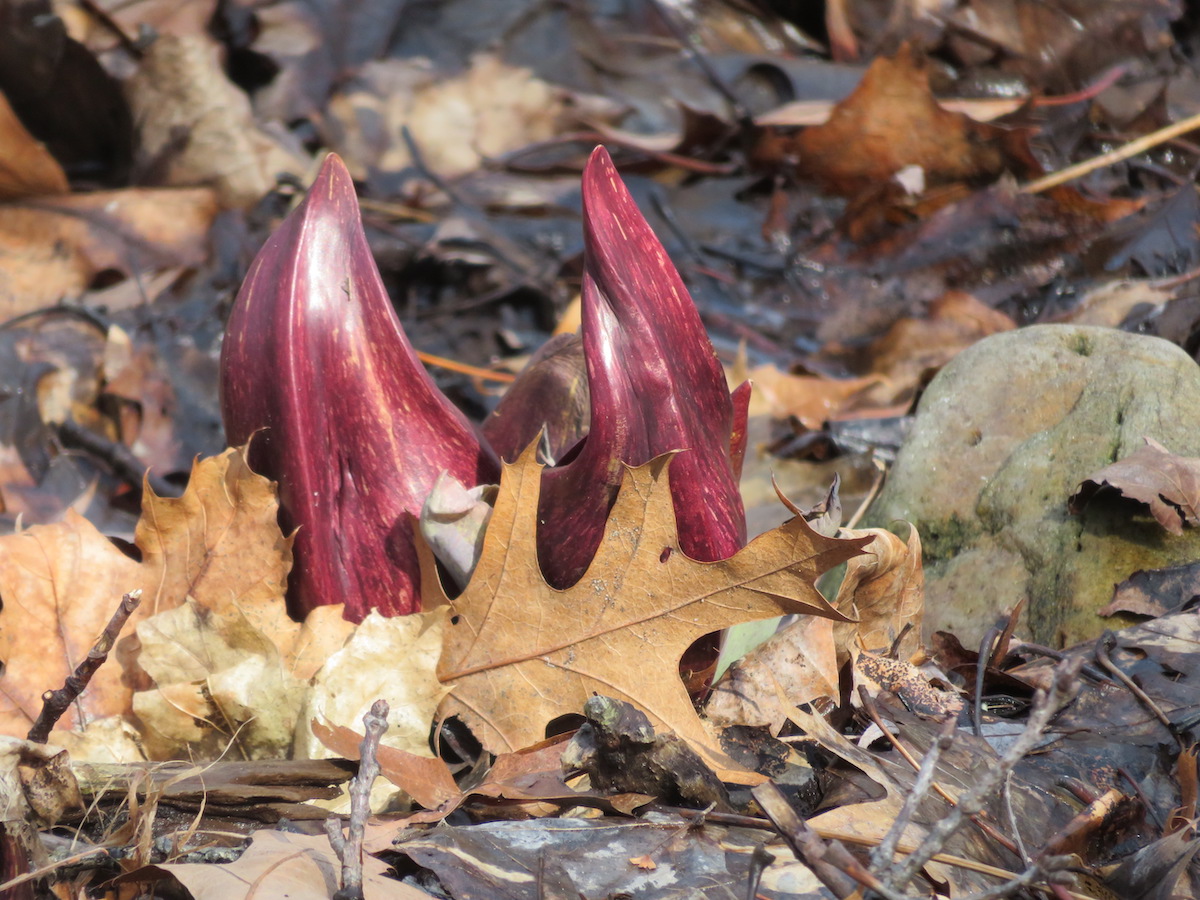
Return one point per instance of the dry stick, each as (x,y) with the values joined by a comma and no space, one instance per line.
(1133,148)
(55,703)
(1046,706)
(882,856)
(123,461)
(454,365)
(1010,813)
(845,837)
(1103,646)
(808,846)
(350,849)
(868,705)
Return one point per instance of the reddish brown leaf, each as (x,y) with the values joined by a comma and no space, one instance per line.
(1168,484)
(891,121)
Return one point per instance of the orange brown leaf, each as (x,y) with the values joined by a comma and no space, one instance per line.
(890,121)
(218,544)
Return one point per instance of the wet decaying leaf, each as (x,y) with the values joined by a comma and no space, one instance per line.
(892,121)
(620,753)
(1159,871)
(880,674)
(1168,484)
(519,653)
(597,859)
(299,865)
(1156,592)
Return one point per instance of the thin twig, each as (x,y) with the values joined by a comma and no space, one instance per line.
(1102,650)
(1037,872)
(123,461)
(882,856)
(350,849)
(1010,813)
(808,846)
(846,837)
(1133,148)
(1046,705)
(978,820)
(35,874)
(985,654)
(880,475)
(453,365)
(55,703)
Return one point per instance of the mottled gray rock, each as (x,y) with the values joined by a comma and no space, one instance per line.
(1003,436)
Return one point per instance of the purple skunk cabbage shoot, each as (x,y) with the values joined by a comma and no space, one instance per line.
(550,396)
(317,369)
(655,386)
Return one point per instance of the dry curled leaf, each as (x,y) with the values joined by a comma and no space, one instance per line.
(800,661)
(218,544)
(884,590)
(519,653)
(394,658)
(1168,484)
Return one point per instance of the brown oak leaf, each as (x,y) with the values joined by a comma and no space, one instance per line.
(519,653)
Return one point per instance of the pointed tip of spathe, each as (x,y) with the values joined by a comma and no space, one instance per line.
(611,218)
(599,172)
(333,185)
(600,159)
(332,168)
